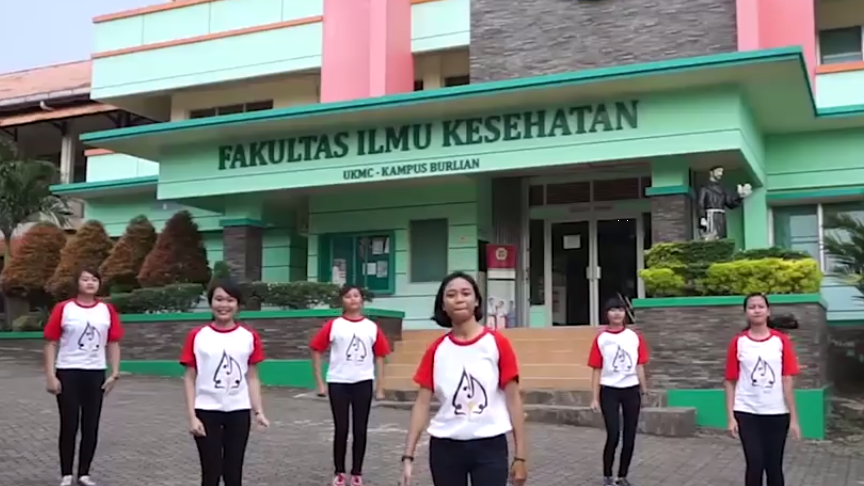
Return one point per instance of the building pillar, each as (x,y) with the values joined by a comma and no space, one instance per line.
(769,24)
(68,155)
(367,49)
(242,247)
(671,200)
(755,209)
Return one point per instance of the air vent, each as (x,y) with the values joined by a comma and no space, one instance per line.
(616,189)
(568,193)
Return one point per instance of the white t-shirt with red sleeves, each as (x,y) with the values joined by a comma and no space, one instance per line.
(222,358)
(354,344)
(82,332)
(617,354)
(468,379)
(758,368)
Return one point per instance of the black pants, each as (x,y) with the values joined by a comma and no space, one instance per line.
(764,440)
(356,398)
(223,449)
(452,462)
(617,404)
(79,403)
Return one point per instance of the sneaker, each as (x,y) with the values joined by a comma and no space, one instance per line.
(356,480)
(66,481)
(623,482)
(86,481)
(339,480)
(608,481)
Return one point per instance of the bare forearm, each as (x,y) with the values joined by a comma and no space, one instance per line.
(255,390)
(595,384)
(730,398)
(379,373)
(517,418)
(789,396)
(114,358)
(189,389)
(50,352)
(643,381)
(419,419)
(316,367)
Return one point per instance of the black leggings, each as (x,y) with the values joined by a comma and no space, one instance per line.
(764,440)
(223,448)
(358,398)
(452,462)
(79,402)
(618,403)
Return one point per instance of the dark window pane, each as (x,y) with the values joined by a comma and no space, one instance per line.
(457,81)
(840,45)
(259,105)
(428,251)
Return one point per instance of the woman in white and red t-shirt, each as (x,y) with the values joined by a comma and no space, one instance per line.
(618,357)
(357,350)
(223,390)
(79,334)
(760,393)
(473,373)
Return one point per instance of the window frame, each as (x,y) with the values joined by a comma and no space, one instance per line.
(245,107)
(821,59)
(325,260)
(411,272)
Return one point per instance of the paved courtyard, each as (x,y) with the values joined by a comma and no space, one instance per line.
(144,443)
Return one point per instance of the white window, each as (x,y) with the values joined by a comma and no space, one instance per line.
(232,109)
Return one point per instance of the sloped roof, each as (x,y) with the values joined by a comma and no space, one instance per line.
(57,81)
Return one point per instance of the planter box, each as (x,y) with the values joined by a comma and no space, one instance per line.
(284,334)
(688,337)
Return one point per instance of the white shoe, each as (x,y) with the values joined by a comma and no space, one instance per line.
(66,481)
(86,481)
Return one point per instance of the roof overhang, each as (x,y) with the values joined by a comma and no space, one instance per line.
(39,115)
(114,187)
(774,82)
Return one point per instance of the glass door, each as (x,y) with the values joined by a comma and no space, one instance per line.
(568,279)
(617,265)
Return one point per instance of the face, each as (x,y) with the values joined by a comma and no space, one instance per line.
(757,309)
(224,306)
(459,300)
(717,173)
(88,284)
(616,315)
(352,300)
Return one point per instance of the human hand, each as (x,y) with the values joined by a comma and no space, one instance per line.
(595,405)
(261,421)
(52,385)
(795,430)
(196,428)
(379,394)
(322,390)
(703,222)
(518,472)
(732,425)
(407,471)
(744,190)
(109,384)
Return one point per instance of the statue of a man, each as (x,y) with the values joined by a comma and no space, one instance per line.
(714,200)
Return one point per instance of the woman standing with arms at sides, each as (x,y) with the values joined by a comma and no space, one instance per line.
(473,373)
(222,387)
(357,350)
(760,393)
(79,333)
(618,357)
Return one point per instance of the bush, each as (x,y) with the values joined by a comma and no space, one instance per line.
(120,270)
(773,252)
(301,295)
(34,260)
(171,298)
(179,255)
(88,248)
(34,321)
(689,252)
(768,275)
(663,282)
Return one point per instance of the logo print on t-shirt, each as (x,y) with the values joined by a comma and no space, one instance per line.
(622,361)
(763,375)
(470,396)
(228,374)
(90,339)
(356,350)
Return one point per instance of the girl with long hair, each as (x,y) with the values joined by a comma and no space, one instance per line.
(760,393)
(79,334)
(618,382)
(356,368)
(223,389)
(473,373)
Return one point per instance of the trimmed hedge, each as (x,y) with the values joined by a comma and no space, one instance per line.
(120,270)
(34,259)
(179,255)
(88,248)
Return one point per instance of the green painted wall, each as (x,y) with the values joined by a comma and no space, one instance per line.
(110,167)
(815,160)
(710,405)
(839,89)
(356,210)
(276,372)
(116,212)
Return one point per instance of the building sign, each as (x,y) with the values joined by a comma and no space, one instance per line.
(461,132)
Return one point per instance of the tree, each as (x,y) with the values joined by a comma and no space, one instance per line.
(88,248)
(25,193)
(845,245)
(178,257)
(120,270)
(34,259)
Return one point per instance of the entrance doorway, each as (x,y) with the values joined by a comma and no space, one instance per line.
(590,261)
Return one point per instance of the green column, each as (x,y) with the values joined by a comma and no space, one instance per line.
(755,213)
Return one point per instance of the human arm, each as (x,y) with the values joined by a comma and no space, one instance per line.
(419,420)
(790,370)
(595,361)
(317,345)
(733,370)
(381,349)
(115,334)
(52,333)
(641,361)
(190,377)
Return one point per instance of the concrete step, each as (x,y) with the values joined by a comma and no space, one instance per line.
(665,422)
